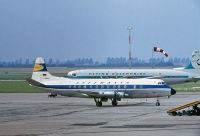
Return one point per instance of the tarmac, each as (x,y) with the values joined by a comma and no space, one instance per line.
(37,115)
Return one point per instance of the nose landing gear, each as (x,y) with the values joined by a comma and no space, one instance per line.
(157,102)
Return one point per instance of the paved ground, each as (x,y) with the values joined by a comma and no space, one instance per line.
(38,115)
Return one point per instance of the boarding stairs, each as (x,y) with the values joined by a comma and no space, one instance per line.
(188,109)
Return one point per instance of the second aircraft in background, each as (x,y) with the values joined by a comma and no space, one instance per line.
(190,73)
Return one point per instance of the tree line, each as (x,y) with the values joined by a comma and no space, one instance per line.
(110,62)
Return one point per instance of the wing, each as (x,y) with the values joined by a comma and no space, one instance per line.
(91,93)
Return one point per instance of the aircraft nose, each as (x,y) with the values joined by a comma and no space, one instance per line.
(173,92)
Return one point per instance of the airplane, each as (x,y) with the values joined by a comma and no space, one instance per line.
(191,73)
(100,89)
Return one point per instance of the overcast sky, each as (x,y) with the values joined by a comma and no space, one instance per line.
(69,29)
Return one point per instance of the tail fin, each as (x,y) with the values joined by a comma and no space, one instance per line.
(39,65)
(40,72)
(196,59)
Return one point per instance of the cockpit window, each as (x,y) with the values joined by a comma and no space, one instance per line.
(73,74)
(161,83)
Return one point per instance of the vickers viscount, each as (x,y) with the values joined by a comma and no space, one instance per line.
(101,90)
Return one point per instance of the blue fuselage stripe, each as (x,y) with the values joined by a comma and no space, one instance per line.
(107,86)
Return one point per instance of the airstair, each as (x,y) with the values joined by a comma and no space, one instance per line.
(189,109)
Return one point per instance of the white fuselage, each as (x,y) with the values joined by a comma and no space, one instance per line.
(124,88)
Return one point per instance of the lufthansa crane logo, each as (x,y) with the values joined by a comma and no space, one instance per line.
(38,67)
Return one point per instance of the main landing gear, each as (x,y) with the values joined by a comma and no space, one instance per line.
(114,103)
(99,101)
(52,95)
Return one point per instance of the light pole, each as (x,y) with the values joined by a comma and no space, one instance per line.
(129,28)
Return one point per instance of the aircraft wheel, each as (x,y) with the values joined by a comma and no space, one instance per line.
(99,104)
(157,103)
(52,95)
(114,103)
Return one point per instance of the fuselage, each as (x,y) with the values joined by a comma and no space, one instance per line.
(99,89)
(170,76)
(124,88)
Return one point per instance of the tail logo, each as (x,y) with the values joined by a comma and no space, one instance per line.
(196,59)
(39,67)
(198,62)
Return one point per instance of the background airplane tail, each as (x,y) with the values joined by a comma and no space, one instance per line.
(195,61)
(40,72)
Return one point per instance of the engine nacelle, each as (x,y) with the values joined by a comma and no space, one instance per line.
(111,94)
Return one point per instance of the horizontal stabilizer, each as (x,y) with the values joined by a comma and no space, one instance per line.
(34,83)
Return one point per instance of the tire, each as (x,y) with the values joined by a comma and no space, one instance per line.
(157,104)
(114,103)
(99,104)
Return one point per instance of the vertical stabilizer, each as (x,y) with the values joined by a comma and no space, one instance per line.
(40,72)
(196,59)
